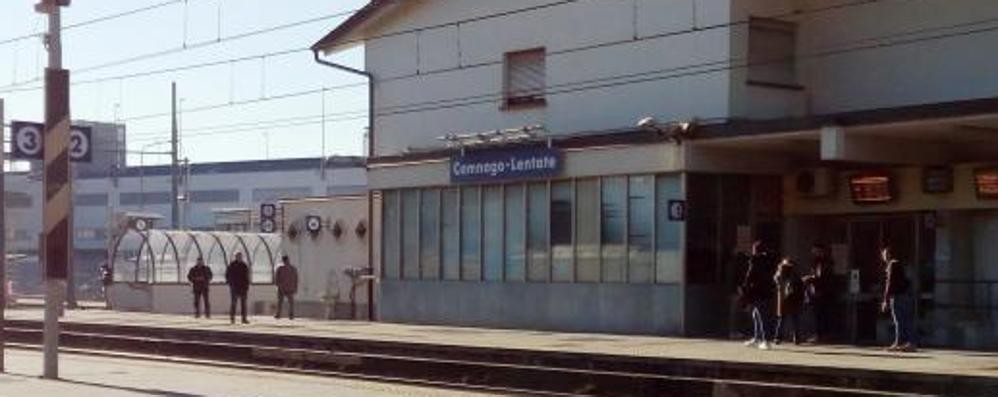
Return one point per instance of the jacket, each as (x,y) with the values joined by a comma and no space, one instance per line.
(789,291)
(287,280)
(237,276)
(897,281)
(757,286)
(200,277)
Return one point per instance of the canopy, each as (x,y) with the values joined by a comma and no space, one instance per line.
(165,256)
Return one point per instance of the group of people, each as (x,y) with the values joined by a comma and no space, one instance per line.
(237,277)
(770,279)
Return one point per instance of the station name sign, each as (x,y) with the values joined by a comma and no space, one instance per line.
(495,165)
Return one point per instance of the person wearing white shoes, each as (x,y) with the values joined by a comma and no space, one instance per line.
(756,289)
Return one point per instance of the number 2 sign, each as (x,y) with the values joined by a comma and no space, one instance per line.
(29,139)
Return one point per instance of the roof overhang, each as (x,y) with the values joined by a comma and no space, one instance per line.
(348,33)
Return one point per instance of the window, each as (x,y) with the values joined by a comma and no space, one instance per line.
(90,200)
(524,78)
(667,232)
(538,265)
(562,214)
(410,234)
(471,234)
(146,198)
(451,238)
(18,200)
(613,213)
(275,194)
(640,224)
(390,236)
(516,229)
(772,50)
(215,196)
(492,220)
(429,234)
(587,248)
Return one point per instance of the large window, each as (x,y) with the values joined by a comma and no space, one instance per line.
(516,229)
(668,232)
(562,231)
(91,200)
(429,234)
(587,221)
(144,198)
(410,234)
(471,234)
(615,229)
(640,228)
(538,268)
(215,196)
(492,227)
(614,217)
(390,235)
(450,240)
(277,193)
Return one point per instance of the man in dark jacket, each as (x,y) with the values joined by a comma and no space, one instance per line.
(238,277)
(287,287)
(898,299)
(757,289)
(200,278)
(820,297)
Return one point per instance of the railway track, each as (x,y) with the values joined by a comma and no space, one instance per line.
(505,371)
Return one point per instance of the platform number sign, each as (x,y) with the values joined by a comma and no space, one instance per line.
(677,210)
(29,138)
(268,213)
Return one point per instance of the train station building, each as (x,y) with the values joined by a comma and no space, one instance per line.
(530,171)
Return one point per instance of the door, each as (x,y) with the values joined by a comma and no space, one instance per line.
(866,237)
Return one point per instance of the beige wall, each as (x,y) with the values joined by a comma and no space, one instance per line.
(910,196)
(322,260)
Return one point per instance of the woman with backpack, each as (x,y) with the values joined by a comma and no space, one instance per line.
(789,300)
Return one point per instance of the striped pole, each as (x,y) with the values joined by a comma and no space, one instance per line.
(58,192)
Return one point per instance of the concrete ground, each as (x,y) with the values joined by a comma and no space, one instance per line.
(83,375)
(945,362)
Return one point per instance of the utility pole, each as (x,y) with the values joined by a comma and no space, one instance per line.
(3,246)
(174,174)
(58,189)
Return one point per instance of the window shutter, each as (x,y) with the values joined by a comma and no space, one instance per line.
(525,76)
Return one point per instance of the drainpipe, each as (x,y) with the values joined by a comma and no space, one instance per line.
(370,154)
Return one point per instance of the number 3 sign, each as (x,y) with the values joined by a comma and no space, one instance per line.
(29,139)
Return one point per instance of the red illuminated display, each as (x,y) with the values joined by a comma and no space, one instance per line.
(871,189)
(986,181)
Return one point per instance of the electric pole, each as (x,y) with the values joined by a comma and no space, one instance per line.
(58,209)
(3,246)
(174,174)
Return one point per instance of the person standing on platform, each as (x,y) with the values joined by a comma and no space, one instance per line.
(237,276)
(757,289)
(287,287)
(200,278)
(820,296)
(106,280)
(789,300)
(898,300)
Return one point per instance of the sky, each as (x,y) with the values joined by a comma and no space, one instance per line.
(228,111)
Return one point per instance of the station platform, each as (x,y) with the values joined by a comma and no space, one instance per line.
(928,372)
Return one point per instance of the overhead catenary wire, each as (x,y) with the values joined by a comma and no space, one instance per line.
(14,87)
(97,20)
(679,72)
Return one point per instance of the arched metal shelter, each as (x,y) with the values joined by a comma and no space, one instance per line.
(165,256)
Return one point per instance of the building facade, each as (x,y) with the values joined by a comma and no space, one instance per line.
(531,170)
(206,189)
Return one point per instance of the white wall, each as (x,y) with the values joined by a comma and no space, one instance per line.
(452,63)
(957,68)
(322,260)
